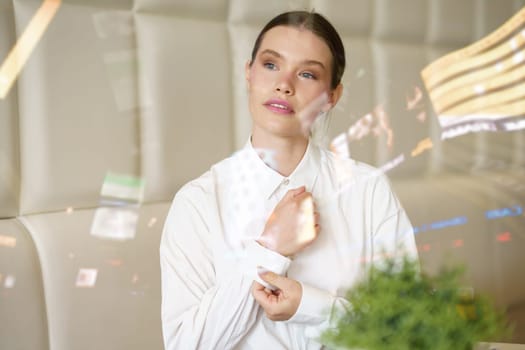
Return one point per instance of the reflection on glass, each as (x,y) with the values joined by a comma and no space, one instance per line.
(422,146)
(113,23)
(17,58)
(481,87)
(114,223)
(437,225)
(122,68)
(86,278)
(9,281)
(152,222)
(504,237)
(117,217)
(7,241)
(125,187)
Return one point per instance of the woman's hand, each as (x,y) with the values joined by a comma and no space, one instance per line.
(281,304)
(293,224)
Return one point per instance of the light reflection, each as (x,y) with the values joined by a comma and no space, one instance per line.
(458,243)
(9,281)
(515,210)
(377,122)
(7,241)
(481,87)
(86,278)
(437,225)
(113,23)
(114,223)
(394,163)
(267,156)
(306,221)
(124,187)
(413,102)
(308,115)
(152,222)
(422,146)
(245,211)
(518,58)
(19,54)
(504,237)
(114,262)
(339,146)
(348,181)
(121,68)
(117,217)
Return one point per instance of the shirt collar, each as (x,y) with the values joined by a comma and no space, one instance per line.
(269,180)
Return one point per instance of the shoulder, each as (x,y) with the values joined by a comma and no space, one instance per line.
(206,184)
(195,189)
(350,171)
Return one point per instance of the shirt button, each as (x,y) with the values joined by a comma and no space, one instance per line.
(286,182)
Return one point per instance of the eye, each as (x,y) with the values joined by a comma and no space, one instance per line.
(308,75)
(270,65)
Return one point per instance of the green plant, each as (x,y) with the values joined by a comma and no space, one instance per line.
(399,308)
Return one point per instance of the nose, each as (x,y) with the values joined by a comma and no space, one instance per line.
(285,85)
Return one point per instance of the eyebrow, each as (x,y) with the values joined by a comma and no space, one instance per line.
(307,62)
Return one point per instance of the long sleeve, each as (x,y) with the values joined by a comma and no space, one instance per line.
(199,311)
(392,232)
(317,310)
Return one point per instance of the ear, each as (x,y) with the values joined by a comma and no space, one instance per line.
(333,98)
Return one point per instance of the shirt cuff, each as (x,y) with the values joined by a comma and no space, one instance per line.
(315,306)
(261,259)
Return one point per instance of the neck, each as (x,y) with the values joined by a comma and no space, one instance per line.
(287,151)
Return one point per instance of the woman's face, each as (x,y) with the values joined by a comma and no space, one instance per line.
(289,82)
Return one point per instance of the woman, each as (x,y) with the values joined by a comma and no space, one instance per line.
(258,251)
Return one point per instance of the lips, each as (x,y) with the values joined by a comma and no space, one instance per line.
(279,106)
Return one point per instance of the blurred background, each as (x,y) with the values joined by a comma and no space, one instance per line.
(108,107)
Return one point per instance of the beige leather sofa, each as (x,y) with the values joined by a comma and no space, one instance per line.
(130,99)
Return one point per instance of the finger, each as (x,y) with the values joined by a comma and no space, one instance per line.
(303,193)
(296,191)
(261,297)
(257,286)
(267,301)
(305,196)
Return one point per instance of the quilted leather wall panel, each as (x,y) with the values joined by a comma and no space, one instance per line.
(100,293)
(9,160)
(70,117)
(22,307)
(350,17)
(400,20)
(188,79)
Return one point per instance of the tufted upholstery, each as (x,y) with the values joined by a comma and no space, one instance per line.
(155,89)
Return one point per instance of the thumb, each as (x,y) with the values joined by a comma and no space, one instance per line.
(274,279)
(296,191)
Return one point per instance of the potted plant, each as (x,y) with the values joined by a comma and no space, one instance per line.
(398,307)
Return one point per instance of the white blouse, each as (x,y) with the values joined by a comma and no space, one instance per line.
(209,257)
